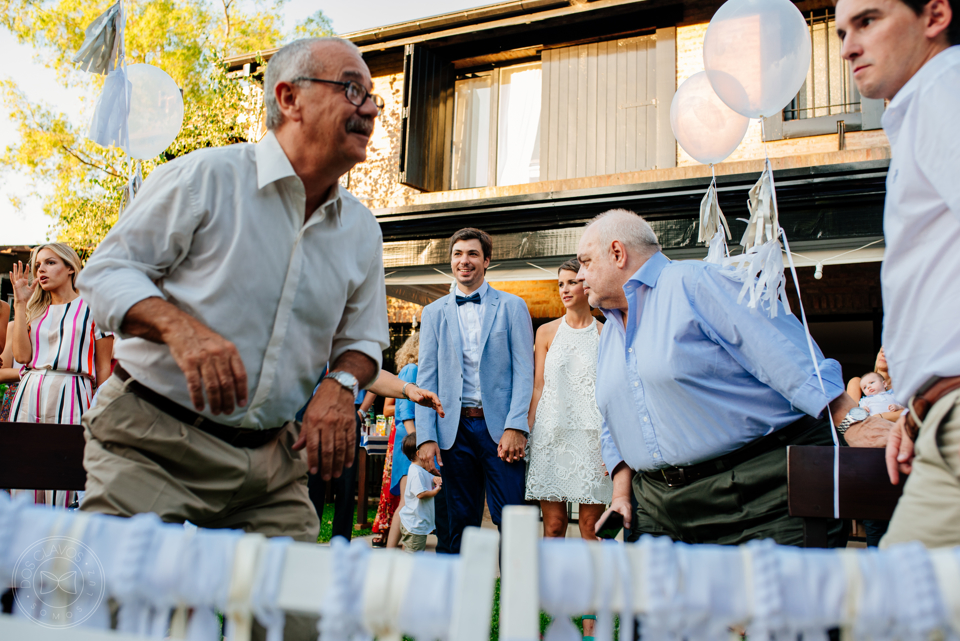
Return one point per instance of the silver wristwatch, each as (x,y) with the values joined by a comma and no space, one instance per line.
(855,415)
(347,380)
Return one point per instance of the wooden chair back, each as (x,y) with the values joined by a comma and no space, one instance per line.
(865,491)
(41,456)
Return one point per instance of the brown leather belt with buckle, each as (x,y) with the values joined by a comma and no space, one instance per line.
(925,398)
(251,439)
(471,412)
(680,476)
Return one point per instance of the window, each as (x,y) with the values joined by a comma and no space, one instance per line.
(496,136)
(829,95)
(829,89)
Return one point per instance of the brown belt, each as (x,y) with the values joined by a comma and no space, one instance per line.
(471,412)
(925,398)
(235,436)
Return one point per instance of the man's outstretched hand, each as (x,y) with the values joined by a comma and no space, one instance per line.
(328,430)
(425,398)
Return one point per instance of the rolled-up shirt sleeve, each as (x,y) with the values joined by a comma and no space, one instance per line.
(363,326)
(151,238)
(774,350)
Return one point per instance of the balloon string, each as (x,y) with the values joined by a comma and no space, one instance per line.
(763,139)
(813,354)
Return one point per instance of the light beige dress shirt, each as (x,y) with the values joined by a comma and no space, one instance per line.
(220,233)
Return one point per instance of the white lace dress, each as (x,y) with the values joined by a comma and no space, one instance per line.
(564,462)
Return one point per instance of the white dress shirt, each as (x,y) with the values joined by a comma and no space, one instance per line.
(220,233)
(921,227)
(470,316)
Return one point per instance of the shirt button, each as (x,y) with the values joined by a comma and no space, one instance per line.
(636,384)
(630,349)
(646,419)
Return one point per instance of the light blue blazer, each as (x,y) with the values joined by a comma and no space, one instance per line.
(506,367)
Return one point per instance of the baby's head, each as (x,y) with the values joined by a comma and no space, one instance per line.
(872,384)
(409,447)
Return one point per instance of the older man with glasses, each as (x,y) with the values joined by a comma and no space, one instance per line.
(233,278)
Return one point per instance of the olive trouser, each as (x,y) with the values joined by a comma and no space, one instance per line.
(746,502)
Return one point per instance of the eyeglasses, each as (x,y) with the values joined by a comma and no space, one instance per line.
(356,93)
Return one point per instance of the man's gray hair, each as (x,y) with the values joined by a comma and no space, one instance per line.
(296,60)
(627,227)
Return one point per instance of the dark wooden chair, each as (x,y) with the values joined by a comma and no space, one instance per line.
(865,489)
(41,456)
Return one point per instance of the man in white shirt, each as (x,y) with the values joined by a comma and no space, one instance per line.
(476,353)
(905,51)
(233,278)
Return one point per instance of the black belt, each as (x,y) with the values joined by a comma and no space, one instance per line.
(680,476)
(237,437)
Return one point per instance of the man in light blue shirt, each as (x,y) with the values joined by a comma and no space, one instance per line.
(699,394)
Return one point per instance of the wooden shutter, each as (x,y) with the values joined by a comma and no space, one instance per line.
(606,109)
(426,121)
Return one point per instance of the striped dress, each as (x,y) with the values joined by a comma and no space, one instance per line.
(57,385)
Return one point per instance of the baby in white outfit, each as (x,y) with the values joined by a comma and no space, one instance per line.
(876,399)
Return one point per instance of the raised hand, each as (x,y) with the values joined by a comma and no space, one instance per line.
(22,288)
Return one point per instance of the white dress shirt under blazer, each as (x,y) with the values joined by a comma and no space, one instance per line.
(470,316)
(921,227)
(220,233)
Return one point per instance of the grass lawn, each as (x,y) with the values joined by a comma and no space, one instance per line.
(326,523)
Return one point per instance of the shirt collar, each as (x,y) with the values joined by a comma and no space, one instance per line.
(649,272)
(273,165)
(892,118)
(482,291)
(272,161)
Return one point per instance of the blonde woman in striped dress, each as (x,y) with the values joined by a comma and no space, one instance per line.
(66,354)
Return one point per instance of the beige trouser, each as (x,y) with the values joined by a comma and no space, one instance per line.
(139,459)
(929,510)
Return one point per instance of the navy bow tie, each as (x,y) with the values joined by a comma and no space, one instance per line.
(472,298)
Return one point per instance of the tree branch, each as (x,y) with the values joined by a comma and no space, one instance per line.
(106,170)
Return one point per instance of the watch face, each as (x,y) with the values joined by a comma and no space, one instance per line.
(858,414)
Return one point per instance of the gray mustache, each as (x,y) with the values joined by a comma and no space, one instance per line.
(360,125)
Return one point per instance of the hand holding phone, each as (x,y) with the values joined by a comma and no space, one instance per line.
(609,525)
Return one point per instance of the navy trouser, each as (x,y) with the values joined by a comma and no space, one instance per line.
(471,468)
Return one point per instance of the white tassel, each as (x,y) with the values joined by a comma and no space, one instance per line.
(102,48)
(713,226)
(760,267)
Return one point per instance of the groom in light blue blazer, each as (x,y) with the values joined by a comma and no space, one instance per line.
(476,353)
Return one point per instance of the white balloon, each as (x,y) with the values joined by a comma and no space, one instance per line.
(705,127)
(757,54)
(156,111)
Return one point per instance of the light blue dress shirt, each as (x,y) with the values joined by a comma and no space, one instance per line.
(694,375)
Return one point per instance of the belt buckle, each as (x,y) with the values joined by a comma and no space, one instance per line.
(674,476)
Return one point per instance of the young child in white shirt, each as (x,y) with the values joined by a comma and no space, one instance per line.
(417,516)
(876,399)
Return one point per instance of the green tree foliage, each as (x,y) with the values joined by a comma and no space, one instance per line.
(82,182)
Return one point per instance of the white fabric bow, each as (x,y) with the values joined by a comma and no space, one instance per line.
(566,585)
(341,612)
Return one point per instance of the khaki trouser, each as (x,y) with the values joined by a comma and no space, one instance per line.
(412,542)
(929,510)
(140,459)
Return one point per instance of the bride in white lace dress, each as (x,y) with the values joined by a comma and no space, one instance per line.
(564,447)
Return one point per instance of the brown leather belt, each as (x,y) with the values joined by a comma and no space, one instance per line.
(925,398)
(680,476)
(251,439)
(471,412)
